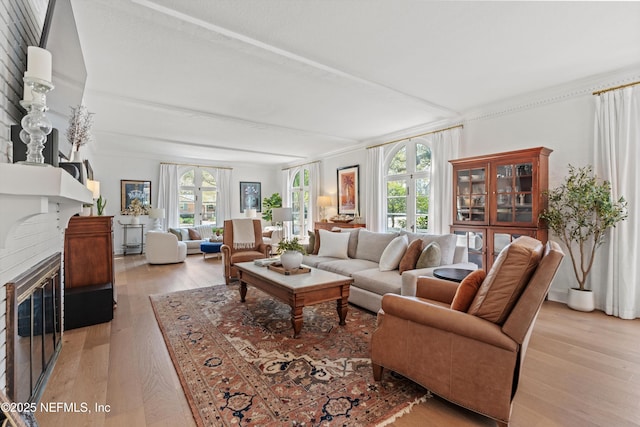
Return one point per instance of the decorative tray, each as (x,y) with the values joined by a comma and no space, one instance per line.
(277,267)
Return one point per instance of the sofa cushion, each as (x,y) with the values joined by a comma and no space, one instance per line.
(333,244)
(353,239)
(371,244)
(467,290)
(411,255)
(505,282)
(378,282)
(431,256)
(315,260)
(317,240)
(393,253)
(194,235)
(347,267)
(176,232)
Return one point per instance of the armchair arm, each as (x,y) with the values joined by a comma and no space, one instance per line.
(455,322)
(436,289)
(265,249)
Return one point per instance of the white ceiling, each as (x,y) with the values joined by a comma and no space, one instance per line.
(280,81)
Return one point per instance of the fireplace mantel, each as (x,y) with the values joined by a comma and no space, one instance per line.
(27,190)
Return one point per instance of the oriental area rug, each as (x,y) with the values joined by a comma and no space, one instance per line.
(239,365)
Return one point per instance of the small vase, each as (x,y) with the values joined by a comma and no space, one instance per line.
(135,220)
(75,156)
(291,260)
(580,300)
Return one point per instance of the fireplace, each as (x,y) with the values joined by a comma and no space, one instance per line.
(34,339)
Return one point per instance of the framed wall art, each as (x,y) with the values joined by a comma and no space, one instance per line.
(133,189)
(250,196)
(348,190)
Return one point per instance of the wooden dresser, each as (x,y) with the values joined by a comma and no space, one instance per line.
(88,271)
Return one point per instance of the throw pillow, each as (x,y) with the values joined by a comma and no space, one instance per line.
(333,244)
(177,233)
(194,235)
(467,290)
(393,253)
(447,243)
(430,256)
(312,242)
(411,255)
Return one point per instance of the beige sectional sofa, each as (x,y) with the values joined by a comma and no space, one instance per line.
(365,249)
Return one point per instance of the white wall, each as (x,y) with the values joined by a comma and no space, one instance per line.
(329,178)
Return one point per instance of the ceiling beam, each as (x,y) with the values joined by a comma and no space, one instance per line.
(287,54)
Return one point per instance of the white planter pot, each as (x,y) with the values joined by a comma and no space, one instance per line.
(291,260)
(580,300)
(135,220)
(86,211)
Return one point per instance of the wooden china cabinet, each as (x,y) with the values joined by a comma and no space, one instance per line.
(497,198)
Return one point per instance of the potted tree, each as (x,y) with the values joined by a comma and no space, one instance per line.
(268,203)
(580,212)
(291,252)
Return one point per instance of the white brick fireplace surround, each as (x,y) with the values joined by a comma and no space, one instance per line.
(35,206)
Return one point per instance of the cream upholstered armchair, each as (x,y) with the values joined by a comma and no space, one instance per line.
(234,251)
(471,357)
(164,248)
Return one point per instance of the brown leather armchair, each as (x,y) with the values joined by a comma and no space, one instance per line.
(232,255)
(472,358)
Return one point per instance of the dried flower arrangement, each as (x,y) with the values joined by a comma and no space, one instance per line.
(79,130)
(136,208)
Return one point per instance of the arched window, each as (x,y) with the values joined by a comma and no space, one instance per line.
(407,180)
(300,199)
(198,194)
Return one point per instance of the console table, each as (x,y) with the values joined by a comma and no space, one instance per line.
(125,241)
(330,225)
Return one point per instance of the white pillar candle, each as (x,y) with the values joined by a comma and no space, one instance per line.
(38,63)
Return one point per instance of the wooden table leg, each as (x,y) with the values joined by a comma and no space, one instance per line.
(343,306)
(297,305)
(243,290)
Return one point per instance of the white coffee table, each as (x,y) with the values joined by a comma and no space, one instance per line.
(297,290)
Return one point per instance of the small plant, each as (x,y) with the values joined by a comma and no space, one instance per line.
(101,203)
(291,245)
(580,212)
(268,203)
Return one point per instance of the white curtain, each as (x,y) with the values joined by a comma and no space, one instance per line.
(616,282)
(223,202)
(168,193)
(374,189)
(444,147)
(286,188)
(314,179)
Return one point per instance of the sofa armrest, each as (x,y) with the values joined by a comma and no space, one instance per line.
(410,277)
(436,289)
(442,318)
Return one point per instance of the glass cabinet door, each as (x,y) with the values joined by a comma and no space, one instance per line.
(500,240)
(514,193)
(471,195)
(475,243)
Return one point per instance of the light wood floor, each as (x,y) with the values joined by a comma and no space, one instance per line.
(581,369)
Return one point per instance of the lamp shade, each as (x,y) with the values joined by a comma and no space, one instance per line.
(156,213)
(94,186)
(324,201)
(282,214)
